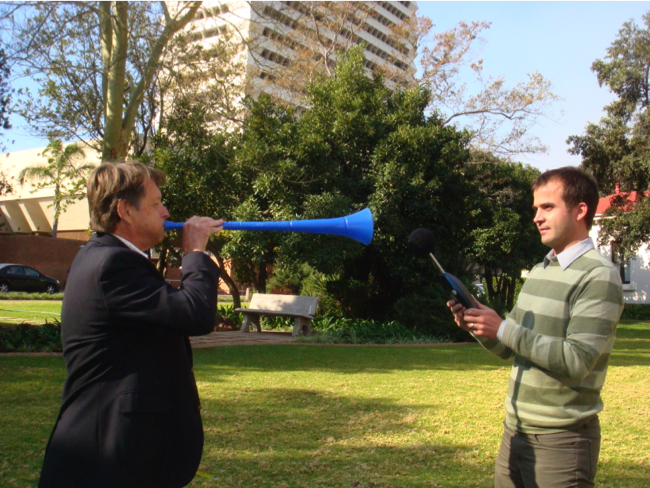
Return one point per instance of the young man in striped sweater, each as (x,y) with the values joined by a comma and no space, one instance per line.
(561,333)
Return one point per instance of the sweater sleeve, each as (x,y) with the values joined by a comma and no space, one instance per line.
(495,346)
(594,313)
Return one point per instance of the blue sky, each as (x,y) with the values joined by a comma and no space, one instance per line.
(559,39)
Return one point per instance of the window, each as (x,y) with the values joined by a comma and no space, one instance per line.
(275,57)
(31,272)
(275,15)
(271,34)
(212,12)
(622,266)
(208,33)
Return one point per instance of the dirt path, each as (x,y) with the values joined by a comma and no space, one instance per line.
(213,339)
(241,338)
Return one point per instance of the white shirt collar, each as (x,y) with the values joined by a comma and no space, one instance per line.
(570,254)
(130,245)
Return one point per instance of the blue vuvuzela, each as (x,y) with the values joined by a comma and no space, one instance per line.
(358,226)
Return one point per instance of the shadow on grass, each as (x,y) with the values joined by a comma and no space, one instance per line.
(276,437)
(349,360)
(282,437)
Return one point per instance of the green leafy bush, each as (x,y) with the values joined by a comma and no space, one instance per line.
(427,312)
(358,331)
(229,313)
(301,279)
(636,312)
(15,295)
(496,302)
(338,330)
(31,338)
(280,324)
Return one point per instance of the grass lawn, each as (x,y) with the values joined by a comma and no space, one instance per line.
(14,312)
(335,416)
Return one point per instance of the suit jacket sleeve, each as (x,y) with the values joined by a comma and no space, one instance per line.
(136,296)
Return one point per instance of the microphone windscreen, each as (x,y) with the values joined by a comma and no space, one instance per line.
(422,242)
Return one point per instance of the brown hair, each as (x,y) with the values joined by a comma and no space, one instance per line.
(111,182)
(578,186)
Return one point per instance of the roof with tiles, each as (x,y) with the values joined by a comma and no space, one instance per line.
(606,202)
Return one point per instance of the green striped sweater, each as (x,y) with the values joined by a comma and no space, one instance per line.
(561,333)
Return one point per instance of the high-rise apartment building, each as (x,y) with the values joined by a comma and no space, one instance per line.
(283,44)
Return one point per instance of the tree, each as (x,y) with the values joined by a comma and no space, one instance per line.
(5,99)
(95,63)
(501,119)
(75,101)
(5,96)
(196,161)
(616,150)
(5,184)
(207,74)
(505,239)
(64,172)
(360,145)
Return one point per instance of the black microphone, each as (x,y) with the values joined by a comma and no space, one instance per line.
(422,243)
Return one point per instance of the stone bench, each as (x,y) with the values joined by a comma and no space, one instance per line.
(302,309)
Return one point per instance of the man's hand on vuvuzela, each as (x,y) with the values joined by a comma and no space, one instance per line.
(197,232)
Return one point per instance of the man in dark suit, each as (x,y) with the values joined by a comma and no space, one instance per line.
(130,412)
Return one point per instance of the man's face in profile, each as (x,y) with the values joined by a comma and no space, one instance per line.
(558,224)
(149,218)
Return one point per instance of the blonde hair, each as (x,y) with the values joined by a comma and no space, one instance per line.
(111,182)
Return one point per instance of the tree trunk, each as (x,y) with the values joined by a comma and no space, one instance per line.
(260,279)
(230,283)
(113,147)
(489,282)
(510,303)
(55,220)
(162,261)
(114,36)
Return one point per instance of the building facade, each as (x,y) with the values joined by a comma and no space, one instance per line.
(30,211)
(283,44)
(635,272)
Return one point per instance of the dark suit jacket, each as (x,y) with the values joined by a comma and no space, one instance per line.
(130,414)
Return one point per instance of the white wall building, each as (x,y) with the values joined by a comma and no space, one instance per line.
(29,211)
(635,273)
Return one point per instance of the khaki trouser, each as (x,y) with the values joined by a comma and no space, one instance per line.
(562,460)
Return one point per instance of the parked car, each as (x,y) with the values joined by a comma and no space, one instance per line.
(17,277)
(478,289)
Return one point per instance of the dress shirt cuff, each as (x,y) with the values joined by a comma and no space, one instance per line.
(501,330)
